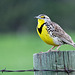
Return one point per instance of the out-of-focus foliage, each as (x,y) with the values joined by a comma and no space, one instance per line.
(18,15)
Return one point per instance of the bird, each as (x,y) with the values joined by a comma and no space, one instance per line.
(51,33)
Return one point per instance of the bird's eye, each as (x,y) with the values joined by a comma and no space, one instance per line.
(42,16)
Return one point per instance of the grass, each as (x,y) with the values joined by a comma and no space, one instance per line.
(16,51)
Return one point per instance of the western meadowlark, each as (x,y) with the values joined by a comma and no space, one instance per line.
(51,33)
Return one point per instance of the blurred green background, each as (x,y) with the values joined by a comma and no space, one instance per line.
(18,37)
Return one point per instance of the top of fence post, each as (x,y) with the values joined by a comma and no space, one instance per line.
(54,60)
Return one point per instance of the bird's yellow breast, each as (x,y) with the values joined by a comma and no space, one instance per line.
(43,33)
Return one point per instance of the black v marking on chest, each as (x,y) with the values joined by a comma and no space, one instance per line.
(40,29)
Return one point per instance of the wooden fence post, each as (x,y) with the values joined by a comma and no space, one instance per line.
(58,60)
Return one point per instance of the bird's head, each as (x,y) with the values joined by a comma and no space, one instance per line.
(43,18)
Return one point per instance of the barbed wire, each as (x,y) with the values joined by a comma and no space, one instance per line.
(33,70)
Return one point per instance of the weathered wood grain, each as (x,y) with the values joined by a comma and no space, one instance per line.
(58,60)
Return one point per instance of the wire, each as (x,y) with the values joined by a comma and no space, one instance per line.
(33,70)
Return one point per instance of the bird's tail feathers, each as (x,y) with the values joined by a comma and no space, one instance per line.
(74,45)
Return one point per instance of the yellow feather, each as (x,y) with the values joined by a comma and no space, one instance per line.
(44,34)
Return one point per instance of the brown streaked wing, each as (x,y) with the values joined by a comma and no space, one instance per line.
(59,32)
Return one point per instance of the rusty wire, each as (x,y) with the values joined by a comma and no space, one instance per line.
(33,70)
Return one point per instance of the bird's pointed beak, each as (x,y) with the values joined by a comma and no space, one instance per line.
(36,17)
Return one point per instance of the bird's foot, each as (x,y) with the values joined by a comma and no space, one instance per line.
(49,50)
(41,52)
(54,50)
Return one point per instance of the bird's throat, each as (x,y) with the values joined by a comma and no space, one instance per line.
(40,25)
(40,22)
